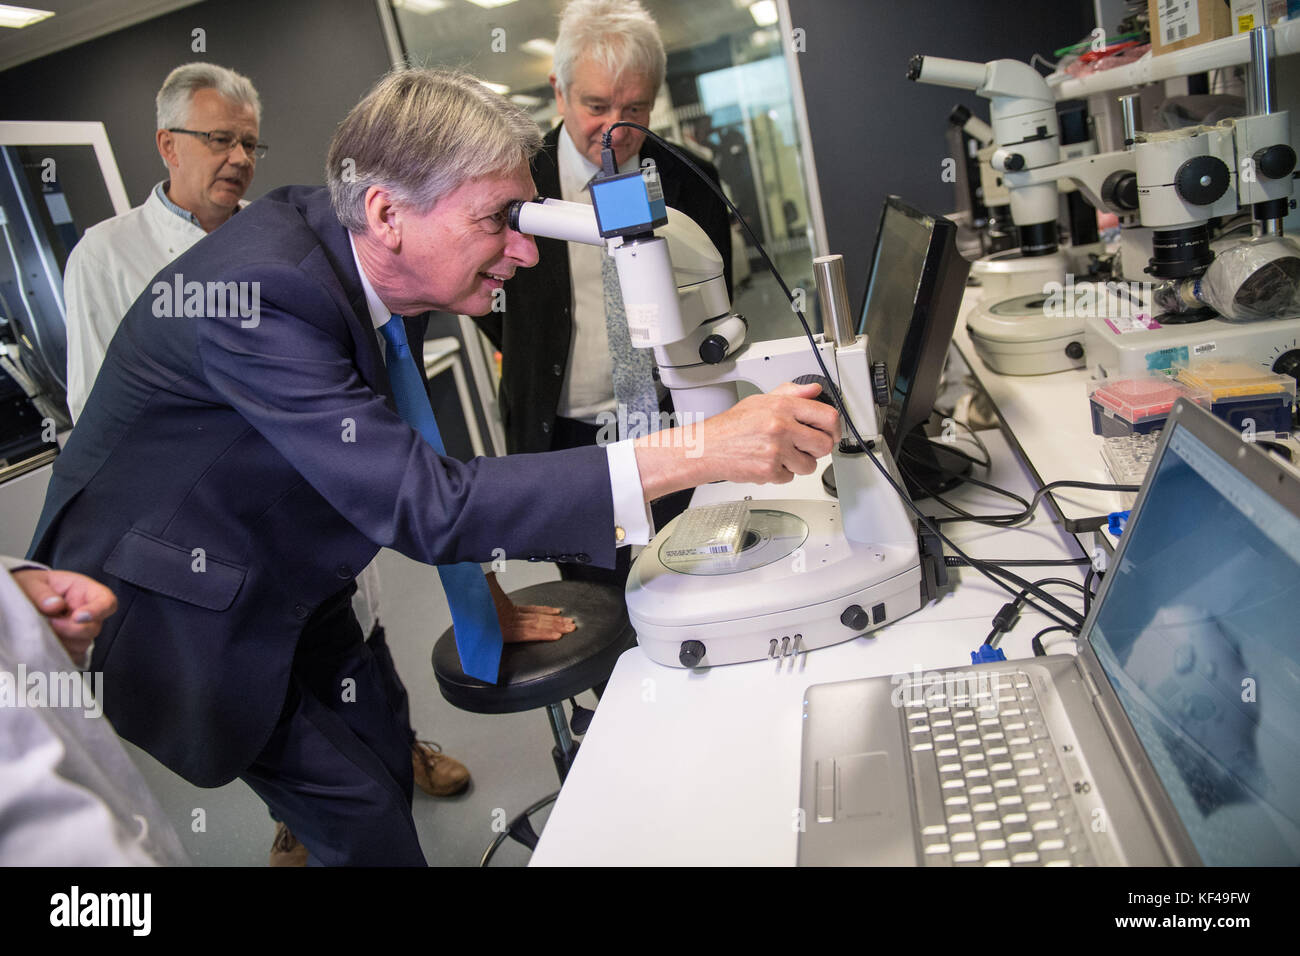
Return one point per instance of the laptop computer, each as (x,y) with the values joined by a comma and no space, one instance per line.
(1172,737)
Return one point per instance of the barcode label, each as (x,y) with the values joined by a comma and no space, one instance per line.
(1203,348)
(1179,19)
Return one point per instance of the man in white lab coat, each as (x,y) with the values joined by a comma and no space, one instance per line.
(208,118)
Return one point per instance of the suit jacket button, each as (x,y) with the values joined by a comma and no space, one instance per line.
(344,571)
(564,558)
(546,428)
(535,557)
(582,557)
(557,370)
(300,611)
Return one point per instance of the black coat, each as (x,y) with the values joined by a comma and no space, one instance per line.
(535,332)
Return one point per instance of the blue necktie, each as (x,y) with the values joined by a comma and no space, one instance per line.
(473,615)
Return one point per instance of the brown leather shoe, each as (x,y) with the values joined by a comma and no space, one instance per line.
(285,848)
(435,773)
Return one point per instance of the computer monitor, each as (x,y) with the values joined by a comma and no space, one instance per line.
(914,290)
(1194,627)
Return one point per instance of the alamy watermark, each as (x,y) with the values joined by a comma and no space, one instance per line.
(212,300)
(1109,299)
(71,690)
(661,429)
(977,689)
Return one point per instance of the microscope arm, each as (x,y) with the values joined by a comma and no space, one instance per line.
(1107,180)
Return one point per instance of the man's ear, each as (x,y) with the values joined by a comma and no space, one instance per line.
(559,97)
(167,148)
(384,218)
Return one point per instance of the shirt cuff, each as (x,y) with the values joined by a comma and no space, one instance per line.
(20,564)
(632,521)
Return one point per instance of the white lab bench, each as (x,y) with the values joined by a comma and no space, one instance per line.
(702,767)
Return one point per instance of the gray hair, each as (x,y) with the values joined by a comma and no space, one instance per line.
(617,34)
(421,133)
(182,83)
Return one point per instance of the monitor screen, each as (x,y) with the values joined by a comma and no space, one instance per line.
(914,290)
(1196,630)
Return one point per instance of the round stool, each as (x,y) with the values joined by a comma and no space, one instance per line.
(544,673)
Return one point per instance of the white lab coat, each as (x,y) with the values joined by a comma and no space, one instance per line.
(106,272)
(69,794)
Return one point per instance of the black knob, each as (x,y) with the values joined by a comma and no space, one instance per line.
(692,653)
(880,383)
(1275,162)
(855,618)
(959,116)
(824,396)
(713,349)
(914,66)
(1013,163)
(1074,350)
(1288,363)
(1120,189)
(1202,180)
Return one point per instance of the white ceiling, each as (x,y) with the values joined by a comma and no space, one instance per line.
(75,21)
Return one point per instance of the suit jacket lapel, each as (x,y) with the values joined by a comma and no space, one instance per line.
(338,251)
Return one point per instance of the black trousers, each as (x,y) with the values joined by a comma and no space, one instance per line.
(570,433)
(337,768)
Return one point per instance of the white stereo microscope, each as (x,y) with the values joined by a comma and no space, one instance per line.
(807,572)
(1165,187)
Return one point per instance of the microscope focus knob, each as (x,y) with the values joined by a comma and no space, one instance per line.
(713,349)
(1275,162)
(1288,363)
(1120,189)
(855,618)
(880,383)
(1202,180)
(824,396)
(691,653)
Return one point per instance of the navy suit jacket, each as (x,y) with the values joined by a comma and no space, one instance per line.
(535,333)
(276,450)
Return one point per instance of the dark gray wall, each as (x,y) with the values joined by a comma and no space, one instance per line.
(310,60)
(874,132)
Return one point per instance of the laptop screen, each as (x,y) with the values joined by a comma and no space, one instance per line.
(1199,634)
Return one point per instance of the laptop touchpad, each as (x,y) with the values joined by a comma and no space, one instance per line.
(864,784)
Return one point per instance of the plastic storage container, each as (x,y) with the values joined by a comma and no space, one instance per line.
(1137,406)
(1241,392)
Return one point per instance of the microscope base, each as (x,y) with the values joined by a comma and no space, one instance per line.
(787,592)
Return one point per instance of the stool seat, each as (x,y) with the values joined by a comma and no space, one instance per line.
(540,673)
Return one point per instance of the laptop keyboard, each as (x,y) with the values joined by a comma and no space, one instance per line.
(989,790)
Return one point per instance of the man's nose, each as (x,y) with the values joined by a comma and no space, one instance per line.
(521,247)
(238,156)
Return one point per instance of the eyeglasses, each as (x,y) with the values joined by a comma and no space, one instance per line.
(223,141)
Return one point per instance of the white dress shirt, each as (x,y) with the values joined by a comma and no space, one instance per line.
(588,387)
(632,521)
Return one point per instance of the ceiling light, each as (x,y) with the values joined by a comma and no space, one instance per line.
(538,47)
(500,88)
(489,4)
(763,12)
(18,17)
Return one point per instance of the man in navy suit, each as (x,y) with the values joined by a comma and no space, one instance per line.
(240,459)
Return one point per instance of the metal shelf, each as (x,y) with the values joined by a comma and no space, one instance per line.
(1214,55)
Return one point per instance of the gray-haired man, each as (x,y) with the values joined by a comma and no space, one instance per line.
(208,118)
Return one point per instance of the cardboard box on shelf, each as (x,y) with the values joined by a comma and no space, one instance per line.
(1178,24)
(1248,14)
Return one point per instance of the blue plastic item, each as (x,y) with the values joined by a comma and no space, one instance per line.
(1115,522)
(986,653)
